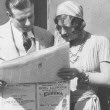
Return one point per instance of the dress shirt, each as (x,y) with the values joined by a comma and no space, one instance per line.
(18,39)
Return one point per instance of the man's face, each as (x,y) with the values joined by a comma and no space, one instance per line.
(23,20)
(65,29)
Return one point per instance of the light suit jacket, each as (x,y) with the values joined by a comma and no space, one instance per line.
(8,50)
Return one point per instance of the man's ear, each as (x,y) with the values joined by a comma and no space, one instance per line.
(8,14)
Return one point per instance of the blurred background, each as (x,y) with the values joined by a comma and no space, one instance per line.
(96,15)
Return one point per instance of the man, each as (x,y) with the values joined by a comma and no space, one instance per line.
(19,26)
(89,57)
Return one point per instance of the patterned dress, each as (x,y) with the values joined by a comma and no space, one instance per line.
(88,57)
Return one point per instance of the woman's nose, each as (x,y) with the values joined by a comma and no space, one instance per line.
(63,31)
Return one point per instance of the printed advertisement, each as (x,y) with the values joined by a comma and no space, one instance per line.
(53,96)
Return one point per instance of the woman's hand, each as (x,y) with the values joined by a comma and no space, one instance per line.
(2,84)
(68,73)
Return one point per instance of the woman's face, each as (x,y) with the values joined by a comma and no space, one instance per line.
(65,28)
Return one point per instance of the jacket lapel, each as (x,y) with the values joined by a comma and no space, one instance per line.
(8,46)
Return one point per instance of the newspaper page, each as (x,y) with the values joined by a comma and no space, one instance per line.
(18,97)
(40,96)
(53,96)
(36,67)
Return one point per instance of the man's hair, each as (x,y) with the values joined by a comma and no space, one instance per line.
(17,4)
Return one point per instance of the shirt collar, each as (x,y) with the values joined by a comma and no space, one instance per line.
(30,34)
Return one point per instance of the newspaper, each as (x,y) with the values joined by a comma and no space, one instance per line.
(40,66)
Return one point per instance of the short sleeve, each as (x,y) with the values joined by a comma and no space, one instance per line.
(104,49)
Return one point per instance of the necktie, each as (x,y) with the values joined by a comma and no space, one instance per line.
(26,41)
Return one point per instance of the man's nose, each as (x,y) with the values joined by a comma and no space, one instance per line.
(28,22)
(63,31)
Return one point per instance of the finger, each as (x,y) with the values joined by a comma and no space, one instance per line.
(67,77)
(2,83)
(65,70)
(66,74)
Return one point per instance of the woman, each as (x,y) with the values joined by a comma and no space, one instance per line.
(89,57)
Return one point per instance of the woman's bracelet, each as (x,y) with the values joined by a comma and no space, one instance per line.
(85,76)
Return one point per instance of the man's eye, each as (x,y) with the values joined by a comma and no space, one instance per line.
(21,20)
